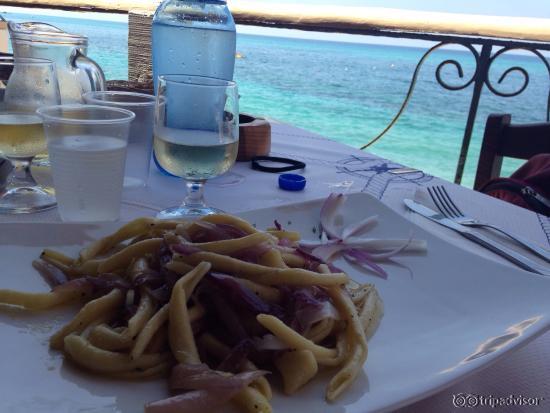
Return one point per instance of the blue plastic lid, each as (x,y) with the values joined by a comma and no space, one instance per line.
(292,182)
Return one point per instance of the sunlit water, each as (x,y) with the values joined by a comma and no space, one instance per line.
(350,92)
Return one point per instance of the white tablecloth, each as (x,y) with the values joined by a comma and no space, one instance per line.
(333,167)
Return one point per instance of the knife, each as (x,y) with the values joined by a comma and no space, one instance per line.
(480,239)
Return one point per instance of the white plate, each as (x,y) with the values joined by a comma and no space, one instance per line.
(447,314)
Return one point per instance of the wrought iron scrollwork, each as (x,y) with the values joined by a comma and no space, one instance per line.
(459,70)
(439,78)
(517,69)
(480,77)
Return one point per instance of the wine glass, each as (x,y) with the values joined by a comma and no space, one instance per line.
(32,84)
(196,135)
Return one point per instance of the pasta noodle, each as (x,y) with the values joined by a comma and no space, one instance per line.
(262,274)
(297,369)
(93,310)
(156,297)
(181,337)
(358,344)
(293,339)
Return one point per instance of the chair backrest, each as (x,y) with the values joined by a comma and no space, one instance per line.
(502,139)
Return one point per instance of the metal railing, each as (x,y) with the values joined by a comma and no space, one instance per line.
(484,60)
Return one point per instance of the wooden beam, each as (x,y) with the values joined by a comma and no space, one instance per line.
(110,6)
(370,20)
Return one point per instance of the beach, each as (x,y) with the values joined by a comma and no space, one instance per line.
(349,91)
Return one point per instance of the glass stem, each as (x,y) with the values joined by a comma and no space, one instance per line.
(195,194)
(21,174)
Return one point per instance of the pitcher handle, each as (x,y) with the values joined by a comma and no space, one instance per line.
(92,70)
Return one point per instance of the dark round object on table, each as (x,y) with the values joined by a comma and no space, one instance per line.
(289,164)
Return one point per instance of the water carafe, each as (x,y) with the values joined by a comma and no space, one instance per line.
(194,37)
(76,73)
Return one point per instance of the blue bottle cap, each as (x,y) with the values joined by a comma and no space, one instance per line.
(292,182)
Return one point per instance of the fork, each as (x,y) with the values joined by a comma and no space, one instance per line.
(447,207)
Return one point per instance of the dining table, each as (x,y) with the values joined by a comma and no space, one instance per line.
(333,167)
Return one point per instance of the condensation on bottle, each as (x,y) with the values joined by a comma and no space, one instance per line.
(194,38)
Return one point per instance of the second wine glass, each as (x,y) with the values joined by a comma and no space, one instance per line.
(196,135)
(32,84)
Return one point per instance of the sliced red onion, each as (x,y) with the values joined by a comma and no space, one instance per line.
(349,244)
(213,389)
(333,268)
(326,311)
(235,360)
(307,255)
(202,377)
(161,294)
(363,258)
(327,252)
(190,402)
(150,278)
(311,315)
(328,212)
(360,227)
(51,274)
(307,306)
(307,243)
(311,262)
(221,311)
(78,284)
(385,255)
(241,296)
(164,255)
(107,282)
(374,244)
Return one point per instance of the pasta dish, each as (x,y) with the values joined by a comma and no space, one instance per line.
(215,305)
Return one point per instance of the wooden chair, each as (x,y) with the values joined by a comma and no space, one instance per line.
(502,139)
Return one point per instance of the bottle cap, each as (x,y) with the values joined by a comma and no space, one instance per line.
(292,182)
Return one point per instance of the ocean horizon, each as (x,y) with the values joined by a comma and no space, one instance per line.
(348,91)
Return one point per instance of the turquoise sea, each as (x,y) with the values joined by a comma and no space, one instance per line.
(350,91)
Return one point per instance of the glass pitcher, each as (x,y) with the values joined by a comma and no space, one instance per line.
(76,73)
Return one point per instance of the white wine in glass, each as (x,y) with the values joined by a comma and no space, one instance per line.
(194,154)
(196,135)
(21,135)
(31,85)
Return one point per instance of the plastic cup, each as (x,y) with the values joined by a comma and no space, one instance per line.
(87,149)
(140,140)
